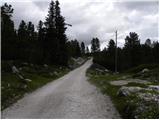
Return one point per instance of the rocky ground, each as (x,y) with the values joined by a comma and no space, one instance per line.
(135,94)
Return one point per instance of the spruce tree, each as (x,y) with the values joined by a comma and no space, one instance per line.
(51,42)
(8,33)
(82,48)
(60,35)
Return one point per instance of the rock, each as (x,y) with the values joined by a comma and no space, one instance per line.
(99,70)
(119,82)
(8,85)
(145,70)
(139,81)
(125,91)
(106,70)
(28,80)
(14,69)
(56,73)
(20,76)
(154,87)
(45,65)
(20,68)
(25,63)
(125,82)
(148,97)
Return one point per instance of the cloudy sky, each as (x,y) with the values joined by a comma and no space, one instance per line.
(96,18)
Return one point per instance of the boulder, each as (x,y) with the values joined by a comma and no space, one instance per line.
(126,91)
(14,69)
(25,63)
(153,87)
(100,70)
(119,82)
(145,70)
(56,73)
(28,80)
(45,65)
(20,76)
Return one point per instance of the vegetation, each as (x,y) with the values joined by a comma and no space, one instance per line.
(13,88)
(131,55)
(48,45)
(130,106)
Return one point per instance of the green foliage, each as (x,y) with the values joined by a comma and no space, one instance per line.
(73,48)
(95,45)
(141,67)
(129,107)
(131,55)
(48,45)
(82,48)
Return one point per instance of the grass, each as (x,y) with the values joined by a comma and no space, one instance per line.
(127,106)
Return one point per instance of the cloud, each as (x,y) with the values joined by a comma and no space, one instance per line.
(97,18)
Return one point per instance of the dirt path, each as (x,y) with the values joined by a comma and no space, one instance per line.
(71,96)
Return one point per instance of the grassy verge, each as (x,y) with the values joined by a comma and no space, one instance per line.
(130,106)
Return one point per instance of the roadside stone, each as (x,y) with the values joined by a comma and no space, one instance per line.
(25,63)
(125,82)
(20,76)
(145,70)
(154,87)
(126,91)
(45,65)
(20,68)
(28,80)
(14,69)
(149,97)
(119,82)
(56,73)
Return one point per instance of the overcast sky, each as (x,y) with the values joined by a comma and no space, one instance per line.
(96,18)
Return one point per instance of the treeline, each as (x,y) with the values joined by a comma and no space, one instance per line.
(46,44)
(132,54)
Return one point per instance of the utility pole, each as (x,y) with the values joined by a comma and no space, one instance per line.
(116,54)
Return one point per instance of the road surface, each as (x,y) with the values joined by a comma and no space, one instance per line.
(71,96)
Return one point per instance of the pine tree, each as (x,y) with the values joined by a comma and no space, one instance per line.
(82,48)
(51,42)
(60,35)
(23,41)
(132,49)
(87,50)
(8,33)
(95,45)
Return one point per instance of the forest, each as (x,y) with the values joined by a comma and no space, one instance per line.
(49,44)
(131,55)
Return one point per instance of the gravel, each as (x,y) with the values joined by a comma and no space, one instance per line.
(71,96)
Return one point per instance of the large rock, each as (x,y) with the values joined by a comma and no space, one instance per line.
(45,65)
(126,91)
(28,80)
(125,82)
(14,69)
(145,70)
(119,82)
(153,87)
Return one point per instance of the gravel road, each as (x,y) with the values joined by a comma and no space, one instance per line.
(71,96)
